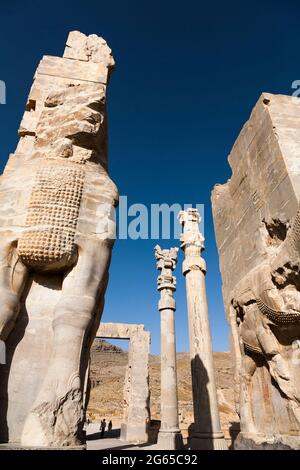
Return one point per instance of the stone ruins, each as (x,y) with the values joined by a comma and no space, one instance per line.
(56,242)
(134,428)
(257,226)
(57,233)
(169,436)
(206,433)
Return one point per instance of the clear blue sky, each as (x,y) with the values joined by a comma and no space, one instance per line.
(188,74)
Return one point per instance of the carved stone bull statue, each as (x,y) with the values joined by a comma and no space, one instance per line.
(57,231)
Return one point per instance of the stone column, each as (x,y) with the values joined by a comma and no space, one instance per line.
(169,436)
(206,433)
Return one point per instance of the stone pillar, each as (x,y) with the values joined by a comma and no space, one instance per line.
(126,401)
(134,429)
(169,436)
(206,433)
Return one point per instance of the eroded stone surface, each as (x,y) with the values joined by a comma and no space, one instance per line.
(56,201)
(256,217)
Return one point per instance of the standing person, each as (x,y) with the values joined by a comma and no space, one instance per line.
(102,428)
(109,429)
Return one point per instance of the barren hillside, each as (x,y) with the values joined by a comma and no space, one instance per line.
(108,365)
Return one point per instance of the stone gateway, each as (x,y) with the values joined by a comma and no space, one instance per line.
(136,416)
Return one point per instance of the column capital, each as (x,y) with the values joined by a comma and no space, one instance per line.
(166,263)
(165,259)
(191,236)
(166,283)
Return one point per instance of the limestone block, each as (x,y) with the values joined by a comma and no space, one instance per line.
(67,68)
(25,145)
(76,46)
(28,124)
(88,48)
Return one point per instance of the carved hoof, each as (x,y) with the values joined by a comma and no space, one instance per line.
(57,423)
(33,434)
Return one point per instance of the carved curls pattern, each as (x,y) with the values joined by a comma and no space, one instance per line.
(276,316)
(52,215)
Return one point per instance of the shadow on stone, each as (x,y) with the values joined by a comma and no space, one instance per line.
(201,431)
(234,430)
(153,430)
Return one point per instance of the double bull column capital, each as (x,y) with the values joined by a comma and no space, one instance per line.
(207,432)
(169,437)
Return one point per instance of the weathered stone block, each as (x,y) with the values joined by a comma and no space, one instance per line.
(76,70)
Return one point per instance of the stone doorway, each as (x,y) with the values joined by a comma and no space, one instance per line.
(136,395)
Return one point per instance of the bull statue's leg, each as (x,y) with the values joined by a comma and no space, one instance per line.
(57,415)
(13,276)
(246,415)
(277,366)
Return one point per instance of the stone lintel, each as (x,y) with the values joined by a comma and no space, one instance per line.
(119,330)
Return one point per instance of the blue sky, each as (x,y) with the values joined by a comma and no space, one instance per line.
(188,74)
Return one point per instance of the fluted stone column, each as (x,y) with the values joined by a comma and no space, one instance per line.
(169,436)
(206,433)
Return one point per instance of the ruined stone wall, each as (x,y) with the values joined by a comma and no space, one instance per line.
(256,218)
